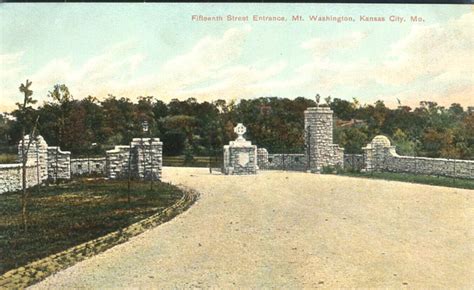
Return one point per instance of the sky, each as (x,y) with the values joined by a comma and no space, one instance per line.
(150,49)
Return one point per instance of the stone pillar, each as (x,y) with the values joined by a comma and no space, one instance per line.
(320,150)
(148,158)
(376,153)
(37,156)
(59,163)
(240,156)
(262,158)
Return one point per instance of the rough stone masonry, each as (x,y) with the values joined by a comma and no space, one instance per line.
(380,155)
(240,156)
(143,156)
(320,150)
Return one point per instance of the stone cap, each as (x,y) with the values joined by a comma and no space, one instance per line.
(16,165)
(146,141)
(379,140)
(241,143)
(117,149)
(319,110)
(56,148)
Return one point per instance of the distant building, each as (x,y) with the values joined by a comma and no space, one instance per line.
(350,123)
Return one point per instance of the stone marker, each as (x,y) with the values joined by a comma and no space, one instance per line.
(240,156)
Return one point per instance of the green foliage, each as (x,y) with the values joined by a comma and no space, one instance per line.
(404,146)
(328,169)
(188,153)
(352,139)
(273,123)
(8,158)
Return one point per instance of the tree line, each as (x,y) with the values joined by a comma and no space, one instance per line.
(191,128)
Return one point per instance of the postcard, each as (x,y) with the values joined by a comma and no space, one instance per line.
(245,145)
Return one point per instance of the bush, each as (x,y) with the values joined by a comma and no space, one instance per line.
(328,169)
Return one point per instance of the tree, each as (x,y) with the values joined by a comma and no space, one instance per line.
(24,116)
(403,144)
(62,100)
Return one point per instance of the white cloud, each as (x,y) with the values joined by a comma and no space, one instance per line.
(432,62)
(210,69)
(437,60)
(439,52)
(10,73)
(238,82)
(321,47)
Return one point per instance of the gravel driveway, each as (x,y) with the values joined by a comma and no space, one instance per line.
(294,230)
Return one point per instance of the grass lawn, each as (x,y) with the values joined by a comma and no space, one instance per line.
(416,178)
(72,213)
(8,158)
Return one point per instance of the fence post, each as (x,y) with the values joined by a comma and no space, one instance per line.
(57,166)
(454,177)
(353,167)
(152,174)
(37,164)
(129,169)
(308,133)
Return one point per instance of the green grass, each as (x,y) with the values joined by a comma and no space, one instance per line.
(66,215)
(416,178)
(7,158)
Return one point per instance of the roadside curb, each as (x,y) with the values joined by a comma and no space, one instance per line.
(38,270)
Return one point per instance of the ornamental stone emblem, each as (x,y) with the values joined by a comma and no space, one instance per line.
(244,158)
(240,131)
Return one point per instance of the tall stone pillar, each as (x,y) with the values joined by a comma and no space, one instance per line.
(320,150)
(37,155)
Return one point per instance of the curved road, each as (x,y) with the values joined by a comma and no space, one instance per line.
(294,230)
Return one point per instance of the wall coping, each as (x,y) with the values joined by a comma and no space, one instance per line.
(434,159)
(59,150)
(88,159)
(15,165)
(117,149)
(322,110)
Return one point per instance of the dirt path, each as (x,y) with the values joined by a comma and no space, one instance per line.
(282,229)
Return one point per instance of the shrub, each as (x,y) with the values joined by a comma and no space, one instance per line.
(328,169)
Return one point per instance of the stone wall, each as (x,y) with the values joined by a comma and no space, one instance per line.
(49,162)
(144,157)
(36,166)
(11,177)
(59,163)
(379,155)
(37,155)
(320,150)
(83,166)
(262,158)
